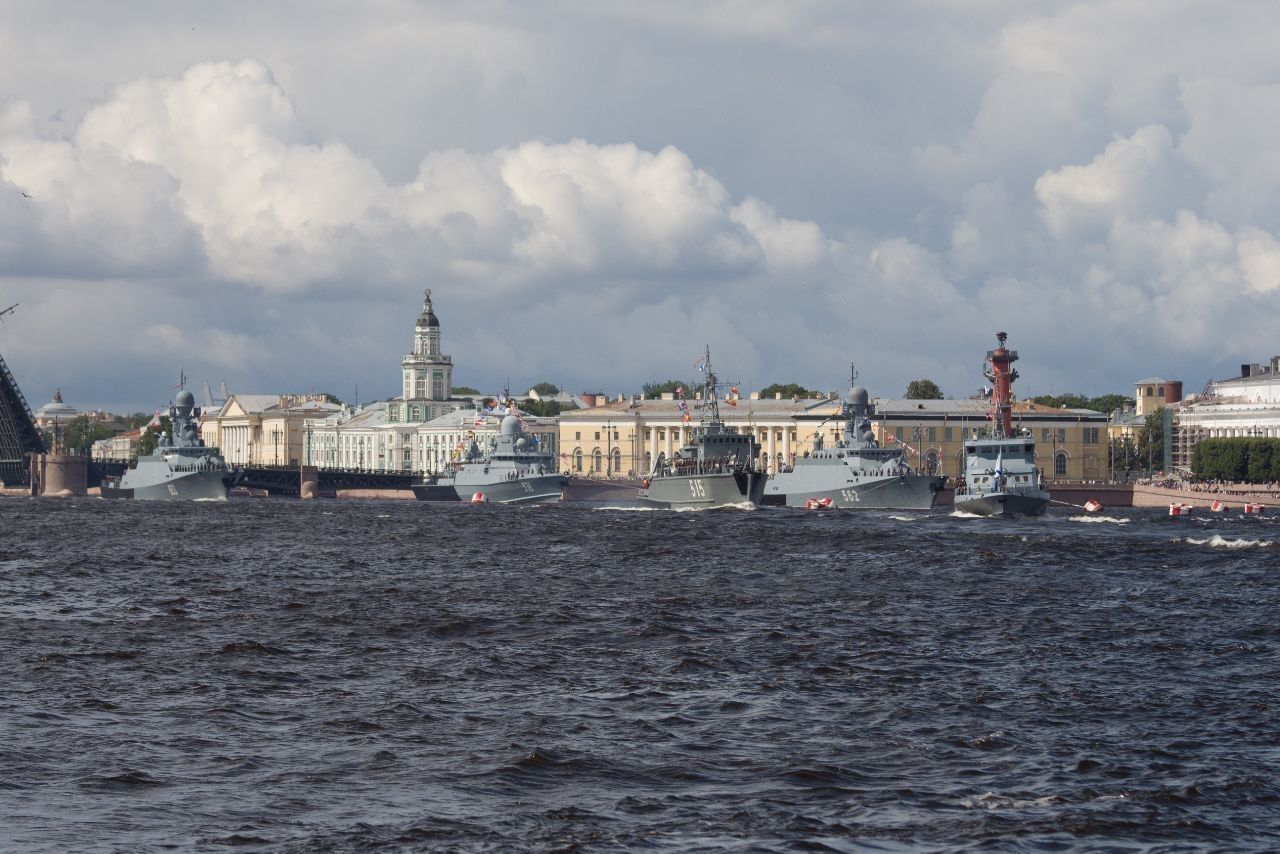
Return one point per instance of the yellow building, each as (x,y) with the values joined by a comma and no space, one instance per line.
(263,429)
(620,438)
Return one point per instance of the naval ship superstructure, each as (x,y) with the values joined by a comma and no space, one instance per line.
(1000,473)
(513,470)
(716,468)
(181,468)
(856,473)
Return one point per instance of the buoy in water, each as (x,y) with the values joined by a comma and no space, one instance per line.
(1177,509)
(479,498)
(817,504)
(1092,506)
(1253,507)
(1217,506)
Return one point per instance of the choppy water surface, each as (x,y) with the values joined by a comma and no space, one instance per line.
(351,675)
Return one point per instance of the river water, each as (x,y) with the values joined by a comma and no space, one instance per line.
(349,675)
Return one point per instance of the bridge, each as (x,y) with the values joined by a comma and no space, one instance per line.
(285,480)
(18,434)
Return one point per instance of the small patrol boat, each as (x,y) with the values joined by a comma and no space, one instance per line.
(1000,473)
(856,473)
(181,468)
(513,470)
(717,468)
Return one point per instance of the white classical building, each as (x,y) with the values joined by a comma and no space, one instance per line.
(1247,405)
(423,429)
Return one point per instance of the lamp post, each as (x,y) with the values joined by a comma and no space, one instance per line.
(1055,455)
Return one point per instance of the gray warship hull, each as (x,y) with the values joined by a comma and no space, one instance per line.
(907,492)
(703,491)
(209,485)
(586,489)
(1008,505)
(534,489)
(181,468)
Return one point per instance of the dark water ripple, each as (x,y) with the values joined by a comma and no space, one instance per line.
(294,676)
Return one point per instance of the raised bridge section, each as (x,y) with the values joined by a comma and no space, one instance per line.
(18,434)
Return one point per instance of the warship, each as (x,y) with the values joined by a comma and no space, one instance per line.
(856,473)
(181,468)
(1000,474)
(513,470)
(717,467)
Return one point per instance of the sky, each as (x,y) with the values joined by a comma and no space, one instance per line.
(257,194)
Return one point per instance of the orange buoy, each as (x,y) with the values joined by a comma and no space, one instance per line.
(1254,507)
(1217,506)
(1092,506)
(479,498)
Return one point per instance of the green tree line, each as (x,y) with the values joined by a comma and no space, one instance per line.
(1239,460)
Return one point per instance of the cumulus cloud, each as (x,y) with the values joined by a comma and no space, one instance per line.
(799,188)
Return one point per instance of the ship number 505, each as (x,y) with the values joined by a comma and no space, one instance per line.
(698,489)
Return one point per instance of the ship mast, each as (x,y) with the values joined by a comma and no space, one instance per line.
(1001,374)
(709,400)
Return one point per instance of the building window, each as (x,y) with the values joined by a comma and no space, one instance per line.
(577,434)
(597,435)
(437,386)
(1091,435)
(617,461)
(1060,465)
(577,459)
(597,461)
(933,434)
(1062,435)
(946,434)
(897,433)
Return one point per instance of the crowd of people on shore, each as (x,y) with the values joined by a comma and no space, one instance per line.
(1216,487)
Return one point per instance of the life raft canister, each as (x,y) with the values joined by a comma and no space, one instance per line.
(479,498)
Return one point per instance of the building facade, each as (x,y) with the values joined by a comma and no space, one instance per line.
(1247,406)
(263,429)
(420,432)
(621,438)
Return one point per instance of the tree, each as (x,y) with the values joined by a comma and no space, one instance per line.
(1151,440)
(465,390)
(544,408)
(786,390)
(1237,459)
(1109,403)
(151,436)
(80,433)
(923,390)
(656,390)
(1062,401)
(330,398)
(546,389)
(1104,403)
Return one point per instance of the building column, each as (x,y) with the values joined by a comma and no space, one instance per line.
(773,451)
(786,445)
